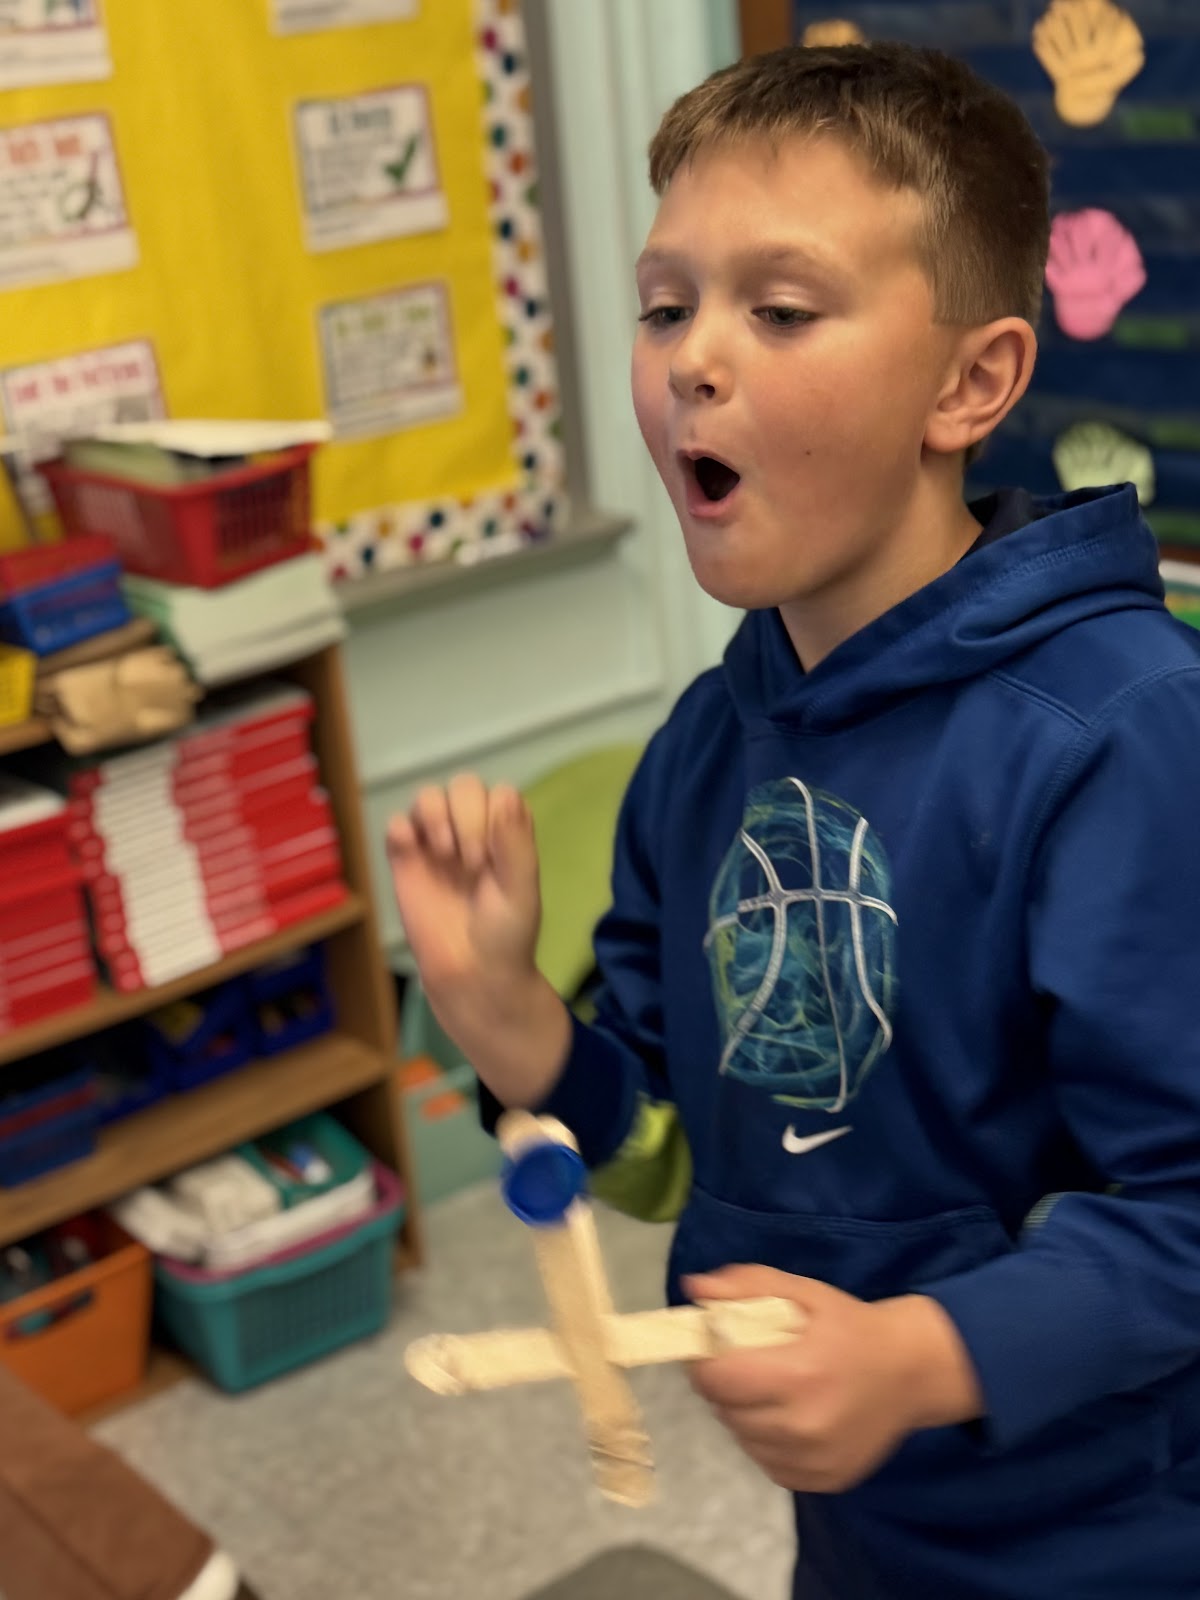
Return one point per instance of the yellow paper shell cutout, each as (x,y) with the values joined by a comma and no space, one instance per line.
(1091,49)
(834,32)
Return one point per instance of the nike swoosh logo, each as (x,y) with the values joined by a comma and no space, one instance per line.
(797,1146)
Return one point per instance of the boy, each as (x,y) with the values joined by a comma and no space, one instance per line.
(899,999)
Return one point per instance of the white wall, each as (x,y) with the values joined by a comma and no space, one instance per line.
(511,678)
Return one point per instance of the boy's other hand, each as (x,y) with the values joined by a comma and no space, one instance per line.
(822,1413)
(465,870)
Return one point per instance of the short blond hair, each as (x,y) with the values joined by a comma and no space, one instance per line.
(920,120)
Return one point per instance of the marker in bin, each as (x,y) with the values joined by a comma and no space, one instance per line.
(301,1164)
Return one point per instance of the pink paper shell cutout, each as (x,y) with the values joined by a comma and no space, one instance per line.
(1095,269)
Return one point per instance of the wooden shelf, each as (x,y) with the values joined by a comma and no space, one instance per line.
(350,1070)
(190,1127)
(24,735)
(108,1008)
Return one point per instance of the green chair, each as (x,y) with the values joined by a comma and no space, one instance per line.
(574,810)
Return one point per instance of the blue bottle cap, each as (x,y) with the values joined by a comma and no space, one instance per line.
(541,1181)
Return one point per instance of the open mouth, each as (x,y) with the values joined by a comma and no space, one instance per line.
(715,478)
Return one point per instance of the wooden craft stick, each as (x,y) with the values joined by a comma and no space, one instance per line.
(693,1333)
(588,1342)
(568,1255)
(454,1364)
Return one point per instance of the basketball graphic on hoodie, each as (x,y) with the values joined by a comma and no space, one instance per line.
(802,947)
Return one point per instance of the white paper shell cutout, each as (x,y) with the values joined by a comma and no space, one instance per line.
(1090,455)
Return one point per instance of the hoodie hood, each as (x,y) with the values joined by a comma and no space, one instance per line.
(1086,553)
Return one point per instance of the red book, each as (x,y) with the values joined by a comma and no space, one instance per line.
(208,804)
(209,866)
(19,966)
(126,970)
(72,992)
(31,924)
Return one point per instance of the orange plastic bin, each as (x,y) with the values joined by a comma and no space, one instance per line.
(84,1338)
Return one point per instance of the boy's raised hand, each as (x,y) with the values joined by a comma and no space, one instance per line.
(465,870)
(822,1413)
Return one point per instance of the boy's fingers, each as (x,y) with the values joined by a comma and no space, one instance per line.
(760,1425)
(754,1282)
(741,1379)
(740,1283)
(401,835)
(510,841)
(431,819)
(467,801)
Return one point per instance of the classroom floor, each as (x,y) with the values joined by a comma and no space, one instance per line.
(348,1481)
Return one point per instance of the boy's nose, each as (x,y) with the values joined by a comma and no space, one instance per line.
(697,372)
(694,379)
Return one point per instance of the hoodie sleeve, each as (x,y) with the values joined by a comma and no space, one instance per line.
(614,1093)
(1103,1295)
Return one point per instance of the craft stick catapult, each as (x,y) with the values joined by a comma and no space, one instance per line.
(543,1183)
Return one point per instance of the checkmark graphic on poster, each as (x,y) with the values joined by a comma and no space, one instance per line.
(398,171)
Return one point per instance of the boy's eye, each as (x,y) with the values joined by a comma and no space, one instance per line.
(784,316)
(663,316)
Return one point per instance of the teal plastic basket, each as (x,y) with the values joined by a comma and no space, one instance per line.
(245,1328)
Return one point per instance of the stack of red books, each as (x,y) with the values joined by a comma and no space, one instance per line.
(46,961)
(206,842)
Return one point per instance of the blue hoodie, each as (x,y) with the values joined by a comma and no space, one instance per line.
(900,991)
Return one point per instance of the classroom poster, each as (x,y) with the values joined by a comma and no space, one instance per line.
(48,400)
(388,360)
(282,271)
(368,168)
(309,16)
(52,41)
(62,209)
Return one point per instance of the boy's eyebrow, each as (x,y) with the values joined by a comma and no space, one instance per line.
(769,255)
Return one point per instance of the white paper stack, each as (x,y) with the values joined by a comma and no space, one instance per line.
(280,614)
(155,1216)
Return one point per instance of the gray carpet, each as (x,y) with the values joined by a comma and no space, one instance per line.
(347,1481)
(634,1573)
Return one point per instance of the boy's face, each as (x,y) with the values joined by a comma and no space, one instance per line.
(788,333)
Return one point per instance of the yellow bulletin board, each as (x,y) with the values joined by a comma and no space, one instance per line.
(336,222)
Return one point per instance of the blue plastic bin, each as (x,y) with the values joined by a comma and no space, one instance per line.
(137,1092)
(47,1146)
(223,1038)
(57,1078)
(129,1077)
(47,1125)
(302,973)
(245,1328)
(55,616)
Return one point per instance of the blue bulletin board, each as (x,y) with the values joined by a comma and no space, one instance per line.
(1113,91)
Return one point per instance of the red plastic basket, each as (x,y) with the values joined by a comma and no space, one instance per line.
(47,563)
(206,533)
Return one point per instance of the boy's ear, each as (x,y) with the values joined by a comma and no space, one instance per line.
(989,372)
